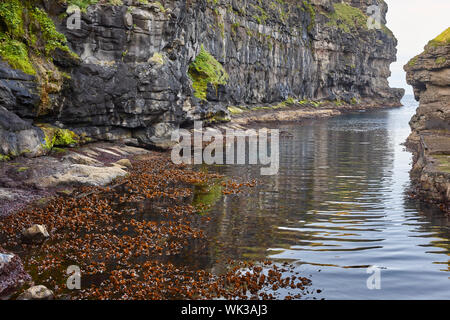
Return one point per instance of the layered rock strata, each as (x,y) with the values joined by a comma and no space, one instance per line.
(429,74)
(133,80)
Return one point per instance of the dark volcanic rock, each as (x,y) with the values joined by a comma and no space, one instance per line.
(12,274)
(18,136)
(131,82)
(18,91)
(18,98)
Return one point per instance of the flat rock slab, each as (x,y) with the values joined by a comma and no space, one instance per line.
(25,179)
(9,194)
(83,175)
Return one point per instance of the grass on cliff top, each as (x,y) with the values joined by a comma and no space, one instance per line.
(347,18)
(442,39)
(413,61)
(206,69)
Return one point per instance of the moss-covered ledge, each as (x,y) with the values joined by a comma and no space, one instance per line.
(29,41)
(206,70)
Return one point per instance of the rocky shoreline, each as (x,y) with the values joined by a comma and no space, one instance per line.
(297,111)
(35,183)
(24,179)
(429,74)
(127,236)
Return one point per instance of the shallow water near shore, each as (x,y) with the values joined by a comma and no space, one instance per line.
(339,205)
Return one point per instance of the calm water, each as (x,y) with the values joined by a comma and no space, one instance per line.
(338,205)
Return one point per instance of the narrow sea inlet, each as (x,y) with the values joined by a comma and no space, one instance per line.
(224,150)
(339,205)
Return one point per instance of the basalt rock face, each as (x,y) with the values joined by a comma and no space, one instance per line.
(132,81)
(429,74)
(18,98)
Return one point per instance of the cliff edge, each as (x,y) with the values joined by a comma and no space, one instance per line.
(429,74)
(135,70)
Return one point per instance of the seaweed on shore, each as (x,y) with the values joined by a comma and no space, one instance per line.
(128,240)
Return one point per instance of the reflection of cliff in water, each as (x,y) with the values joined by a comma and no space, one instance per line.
(339,199)
(323,165)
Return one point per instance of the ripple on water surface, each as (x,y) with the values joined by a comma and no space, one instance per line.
(339,205)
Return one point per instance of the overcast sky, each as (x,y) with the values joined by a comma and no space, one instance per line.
(414,23)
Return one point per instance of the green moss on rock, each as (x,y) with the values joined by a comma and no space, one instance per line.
(158,58)
(206,69)
(44,25)
(11,15)
(13,50)
(312,13)
(4,157)
(15,53)
(58,137)
(26,31)
(347,18)
(441,60)
(235,110)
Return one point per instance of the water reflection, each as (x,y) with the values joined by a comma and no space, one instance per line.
(337,206)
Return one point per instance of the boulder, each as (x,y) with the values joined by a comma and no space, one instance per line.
(8,194)
(37,293)
(125,163)
(35,234)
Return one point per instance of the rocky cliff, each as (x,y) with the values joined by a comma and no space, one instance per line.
(136,70)
(429,74)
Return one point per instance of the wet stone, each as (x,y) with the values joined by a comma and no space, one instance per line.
(36,293)
(35,234)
